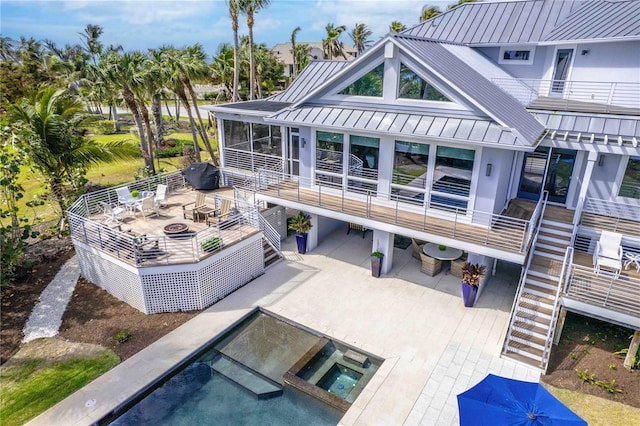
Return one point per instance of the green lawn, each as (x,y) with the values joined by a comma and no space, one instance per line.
(32,386)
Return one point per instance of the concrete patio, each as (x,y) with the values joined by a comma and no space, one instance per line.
(434,348)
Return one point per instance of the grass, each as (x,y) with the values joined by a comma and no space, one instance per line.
(597,411)
(31,387)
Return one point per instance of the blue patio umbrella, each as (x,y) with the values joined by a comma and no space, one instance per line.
(500,401)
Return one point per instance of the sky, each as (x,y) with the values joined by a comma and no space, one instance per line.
(144,24)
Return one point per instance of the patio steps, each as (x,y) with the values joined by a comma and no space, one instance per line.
(245,378)
(533,314)
(271,255)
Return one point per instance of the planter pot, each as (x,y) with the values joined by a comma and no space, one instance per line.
(469,294)
(301,240)
(376,266)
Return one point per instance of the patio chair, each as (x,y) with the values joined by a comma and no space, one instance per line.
(112,213)
(417,248)
(221,214)
(608,253)
(161,196)
(147,207)
(430,266)
(196,210)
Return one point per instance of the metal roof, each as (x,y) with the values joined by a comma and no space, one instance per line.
(259,107)
(501,22)
(470,82)
(620,130)
(460,129)
(314,74)
(598,20)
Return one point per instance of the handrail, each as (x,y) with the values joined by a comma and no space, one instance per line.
(270,233)
(367,203)
(523,275)
(568,260)
(612,208)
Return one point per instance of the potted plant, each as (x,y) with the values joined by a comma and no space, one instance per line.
(211,244)
(135,193)
(376,263)
(472,273)
(301,224)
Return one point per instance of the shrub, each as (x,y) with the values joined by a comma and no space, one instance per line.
(104,127)
(123,336)
(610,387)
(211,244)
(586,377)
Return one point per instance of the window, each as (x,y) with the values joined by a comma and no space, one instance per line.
(410,165)
(630,186)
(236,135)
(363,163)
(516,55)
(452,177)
(412,86)
(369,84)
(329,148)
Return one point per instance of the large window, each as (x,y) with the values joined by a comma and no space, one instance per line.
(237,135)
(266,139)
(410,165)
(252,146)
(329,154)
(363,163)
(412,86)
(630,186)
(369,84)
(452,177)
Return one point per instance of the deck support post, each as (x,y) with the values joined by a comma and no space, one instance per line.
(633,350)
(559,326)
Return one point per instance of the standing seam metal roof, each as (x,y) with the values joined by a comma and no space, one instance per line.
(472,84)
(500,22)
(314,74)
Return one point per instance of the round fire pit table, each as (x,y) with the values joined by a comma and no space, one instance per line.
(173,229)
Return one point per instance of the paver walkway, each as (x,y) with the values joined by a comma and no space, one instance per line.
(46,317)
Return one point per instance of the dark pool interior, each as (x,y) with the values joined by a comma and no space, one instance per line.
(265,370)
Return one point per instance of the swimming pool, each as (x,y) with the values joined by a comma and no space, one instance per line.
(241,378)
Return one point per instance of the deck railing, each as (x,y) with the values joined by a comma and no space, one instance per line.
(480,227)
(153,250)
(600,92)
(612,209)
(604,290)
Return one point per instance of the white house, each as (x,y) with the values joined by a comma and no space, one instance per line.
(283,52)
(442,133)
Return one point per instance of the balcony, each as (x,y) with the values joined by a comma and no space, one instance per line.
(495,235)
(577,96)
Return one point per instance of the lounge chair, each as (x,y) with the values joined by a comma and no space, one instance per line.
(608,253)
(147,207)
(196,210)
(112,213)
(161,196)
(221,214)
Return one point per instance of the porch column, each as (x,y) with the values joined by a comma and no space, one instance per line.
(586,178)
(312,235)
(482,260)
(221,140)
(383,241)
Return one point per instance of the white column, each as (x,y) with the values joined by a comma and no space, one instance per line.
(312,235)
(586,179)
(383,241)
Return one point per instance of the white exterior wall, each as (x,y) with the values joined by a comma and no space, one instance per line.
(601,185)
(492,191)
(533,71)
(608,62)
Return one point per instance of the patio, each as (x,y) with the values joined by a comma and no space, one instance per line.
(434,347)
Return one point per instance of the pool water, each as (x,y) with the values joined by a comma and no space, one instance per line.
(339,380)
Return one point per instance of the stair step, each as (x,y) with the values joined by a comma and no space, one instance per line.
(525,350)
(556,224)
(528,339)
(541,282)
(542,275)
(522,359)
(247,379)
(548,255)
(533,304)
(533,318)
(557,237)
(551,248)
(545,293)
(531,328)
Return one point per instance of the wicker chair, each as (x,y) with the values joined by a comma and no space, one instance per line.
(456,266)
(417,248)
(430,265)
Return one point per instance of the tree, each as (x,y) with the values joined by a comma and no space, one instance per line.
(50,129)
(397,27)
(332,45)
(429,12)
(360,36)
(250,8)
(222,68)
(233,13)
(451,6)
(294,33)
(92,44)
(303,53)
(8,51)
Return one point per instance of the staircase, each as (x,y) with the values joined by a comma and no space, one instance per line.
(530,332)
(271,255)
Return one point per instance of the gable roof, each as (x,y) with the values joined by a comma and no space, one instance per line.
(499,22)
(445,62)
(600,20)
(311,76)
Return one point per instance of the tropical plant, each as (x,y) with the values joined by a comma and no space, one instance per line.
(249,8)
(397,27)
(429,12)
(294,33)
(233,14)
(377,254)
(303,53)
(451,6)
(211,244)
(472,273)
(360,36)
(301,223)
(332,45)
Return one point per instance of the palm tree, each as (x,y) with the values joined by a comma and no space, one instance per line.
(397,26)
(250,8)
(233,13)
(451,6)
(429,12)
(332,45)
(50,128)
(303,53)
(294,33)
(360,35)
(92,44)
(222,68)
(8,51)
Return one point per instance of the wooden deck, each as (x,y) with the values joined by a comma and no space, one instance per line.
(506,235)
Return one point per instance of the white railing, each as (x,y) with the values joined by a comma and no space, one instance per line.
(536,217)
(246,160)
(479,227)
(604,290)
(612,209)
(605,93)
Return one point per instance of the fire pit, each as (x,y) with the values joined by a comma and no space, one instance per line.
(176,229)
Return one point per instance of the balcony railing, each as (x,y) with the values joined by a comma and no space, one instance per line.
(611,94)
(473,226)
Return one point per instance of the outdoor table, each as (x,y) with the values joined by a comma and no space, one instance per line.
(448,254)
(132,202)
(632,259)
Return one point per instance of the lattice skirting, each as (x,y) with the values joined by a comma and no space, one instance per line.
(173,288)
